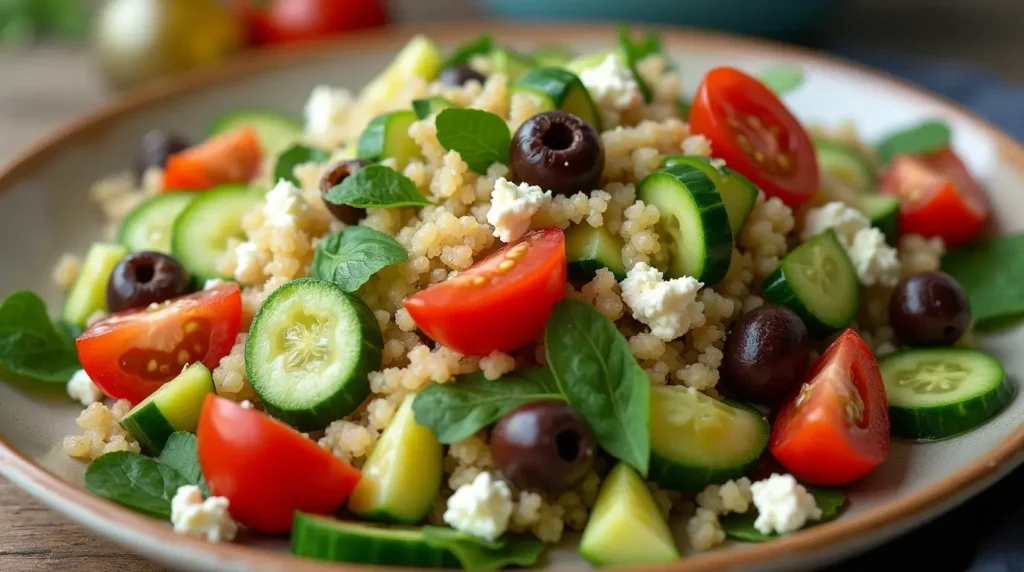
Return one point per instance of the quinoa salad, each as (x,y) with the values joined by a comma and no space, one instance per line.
(496,297)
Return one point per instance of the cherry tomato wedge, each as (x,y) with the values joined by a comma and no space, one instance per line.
(266,469)
(132,353)
(939,196)
(756,135)
(281,21)
(501,302)
(835,429)
(225,159)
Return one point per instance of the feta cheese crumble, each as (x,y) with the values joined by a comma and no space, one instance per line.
(875,261)
(193,516)
(783,505)
(249,260)
(212,283)
(81,388)
(669,307)
(284,206)
(512,207)
(481,508)
(246,404)
(612,84)
(326,109)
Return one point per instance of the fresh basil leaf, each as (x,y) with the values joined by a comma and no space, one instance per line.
(134,481)
(782,79)
(594,367)
(30,345)
(741,526)
(294,156)
(991,272)
(181,453)
(351,256)
(481,138)
(377,186)
(633,53)
(478,554)
(482,45)
(457,410)
(68,331)
(922,138)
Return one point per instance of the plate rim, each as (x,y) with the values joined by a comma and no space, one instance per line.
(143,534)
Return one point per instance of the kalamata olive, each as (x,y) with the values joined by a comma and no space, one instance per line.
(929,309)
(145,278)
(543,446)
(332,178)
(766,354)
(558,152)
(459,75)
(154,149)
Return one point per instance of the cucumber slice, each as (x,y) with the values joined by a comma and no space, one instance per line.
(738,194)
(848,163)
(89,292)
(309,352)
(626,526)
(884,213)
(552,56)
(173,407)
(557,88)
(201,232)
(818,282)
(589,249)
(388,136)
(419,58)
(940,392)
(148,226)
(325,538)
(275,131)
(402,476)
(511,63)
(424,108)
(694,224)
(593,59)
(697,440)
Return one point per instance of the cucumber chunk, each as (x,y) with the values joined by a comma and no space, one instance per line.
(173,407)
(818,282)
(847,163)
(511,63)
(936,393)
(557,88)
(884,213)
(424,108)
(738,194)
(589,249)
(89,292)
(388,136)
(402,476)
(309,352)
(201,232)
(697,440)
(419,58)
(552,56)
(626,526)
(326,538)
(148,226)
(275,131)
(694,225)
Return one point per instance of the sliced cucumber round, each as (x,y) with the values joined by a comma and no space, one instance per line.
(201,232)
(511,63)
(309,352)
(173,407)
(424,108)
(326,538)
(275,131)
(694,224)
(388,136)
(940,392)
(697,440)
(848,164)
(739,195)
(556,88)
(589,249)
(89,292)
(884,213)
(818,282)
(148,226)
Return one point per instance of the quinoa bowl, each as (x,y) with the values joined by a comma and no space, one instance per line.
(655,308)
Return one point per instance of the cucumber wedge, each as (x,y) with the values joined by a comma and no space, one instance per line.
(309,352)
(588,249)
(419,58)
(511,63)
(848,164)
(388,136)
(275,131)
(738,194)
(173,407)
(552,56)
(201,232)
(884,213)
(424,108)
(326,538)
(148,226)
(89,292)
(694,224)
(936,393)
(557,88)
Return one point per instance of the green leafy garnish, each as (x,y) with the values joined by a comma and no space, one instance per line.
(22,21)
(922,138)
(351,256)
(594,367)
(991,272)
(377,186)
(633,53)
(181,453)
(782,79)
(483,44)
(294,156)
(135,481)
(741,526)
(477,554)
(31,346)
(457,410)
(481,137)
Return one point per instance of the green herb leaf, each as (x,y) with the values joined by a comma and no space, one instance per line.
(922,138)
(181,453)
(482,138)
(991,272)
(69,18)
(596,370)
(134,481)
(377,186)
(782,79)
(351,256)
(30,345)
(633,53)
(741,526)
(457,410)
(478,554)
(294,156)
(483,44)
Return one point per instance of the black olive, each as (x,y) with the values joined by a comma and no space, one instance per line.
(154,149)
(459,75)
(544,446)
(558,152)
(332,178)
(929,309)
(766,354)
(145,278)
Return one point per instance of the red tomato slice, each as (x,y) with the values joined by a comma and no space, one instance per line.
(281,21)
(939,196)
(499,304)
(835,429)
(225,159)
(132,353)
(266,469)
(756,135)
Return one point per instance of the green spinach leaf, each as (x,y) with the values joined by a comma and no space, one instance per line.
(481,137)
(377,186)
(922,138)
(741,526)
(782,79)
(992,273)
(30,345)
(181,453)
(351,256)
(462,54)
(476,554)
(294,156)
(633,53)
(135,481)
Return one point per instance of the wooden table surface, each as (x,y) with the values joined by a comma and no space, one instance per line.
(54,84)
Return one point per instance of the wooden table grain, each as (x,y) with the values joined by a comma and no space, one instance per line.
(44,87)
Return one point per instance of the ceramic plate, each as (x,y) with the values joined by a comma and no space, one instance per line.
(44,211)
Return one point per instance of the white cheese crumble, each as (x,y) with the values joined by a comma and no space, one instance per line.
(669,307)
(512,207)
(246,404)
(212,283)
(248,258)
(612,84)
(81,388)
(875,261)
(284,205)
(481,508)
(326,109)
(193,516)
(783,505)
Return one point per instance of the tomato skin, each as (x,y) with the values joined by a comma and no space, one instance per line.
(502,315)
(228,158)
(731,107)
(266,469)
(286,21)
(812,435)
(106,347)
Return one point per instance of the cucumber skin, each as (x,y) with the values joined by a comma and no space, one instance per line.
(375,141)
(124,231)
(722,176)
(557,84)
(585,270)
(153,431)
(312,539)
